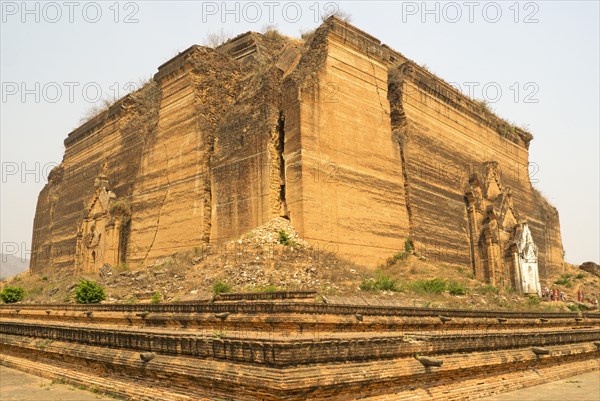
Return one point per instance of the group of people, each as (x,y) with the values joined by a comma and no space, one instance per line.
(554,294)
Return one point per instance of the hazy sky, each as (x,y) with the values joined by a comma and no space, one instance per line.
(538,62)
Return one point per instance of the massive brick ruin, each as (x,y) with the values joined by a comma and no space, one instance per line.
(356,144)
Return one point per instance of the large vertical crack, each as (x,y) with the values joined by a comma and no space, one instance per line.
(405,178)
(280,151)
(399,126)
(208,195)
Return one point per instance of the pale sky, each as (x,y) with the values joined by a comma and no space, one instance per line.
(58,58)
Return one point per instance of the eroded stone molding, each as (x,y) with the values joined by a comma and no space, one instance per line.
(99,235)
(503,252)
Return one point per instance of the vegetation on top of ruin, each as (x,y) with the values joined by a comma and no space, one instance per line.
(336,12)
(121,208)
(216,39)
(219,38)
(507,129)
(105,104)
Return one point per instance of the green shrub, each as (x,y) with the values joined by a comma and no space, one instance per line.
(398,256)
(380,282)
(573,307)
(89,292)
(403,255)
(156,298)
(368,284)
(565,279)
(284,238)
(219,287)
(533,300)
(432,286)
(455,288)
(580,276)
(11,295)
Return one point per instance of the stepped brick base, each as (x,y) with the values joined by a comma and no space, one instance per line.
(480,353)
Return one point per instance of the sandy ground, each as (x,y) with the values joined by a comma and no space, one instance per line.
(585,387)
(19,386)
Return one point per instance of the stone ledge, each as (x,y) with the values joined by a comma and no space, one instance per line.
(295,383)
(303,308)
(277,352)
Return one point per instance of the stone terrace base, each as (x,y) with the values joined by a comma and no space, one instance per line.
(299,351)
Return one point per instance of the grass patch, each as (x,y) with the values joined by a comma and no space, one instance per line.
(220,287)
(533,300)
(565,279)
(432,286)
(488,289)
(34,291)
(456,288)
(402,255)
(156,298)
(380,282)
(267,288)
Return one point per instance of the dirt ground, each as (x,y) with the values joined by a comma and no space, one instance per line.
(585,387)
(19,386)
